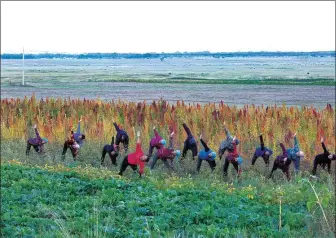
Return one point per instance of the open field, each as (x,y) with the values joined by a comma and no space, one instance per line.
(44,196)
(235,80)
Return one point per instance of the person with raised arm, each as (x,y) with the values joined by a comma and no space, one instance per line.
(111,150)
(227,145)
(37,143)
(189,143)
(282,162)
(156,142)
(323,159)
(121,137)
(135,159)
(232,157)
(262,151)
(78,136)
(206,154)
(167,154)
(295,154)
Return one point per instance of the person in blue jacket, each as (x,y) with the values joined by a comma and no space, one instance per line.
(206,154)
(78,136)
(295,154)
(263,152)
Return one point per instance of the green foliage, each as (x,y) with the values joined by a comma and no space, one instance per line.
(63,201)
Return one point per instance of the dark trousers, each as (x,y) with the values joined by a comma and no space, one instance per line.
(226,165)
(67,145)
(124,165)
(283,166)
(165,161)
(188,146)
(36,148)
(323,161)
(109,149)
(265,157)
(212,164)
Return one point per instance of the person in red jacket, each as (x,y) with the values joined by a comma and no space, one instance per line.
(232,158)
(72,145)
(135,159)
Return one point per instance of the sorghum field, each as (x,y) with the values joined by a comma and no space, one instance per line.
(43,196)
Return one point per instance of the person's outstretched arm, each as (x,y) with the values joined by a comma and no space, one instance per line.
(296,144)
(78,127)
(206,148)
(156,133)
(171,141)
(284,151)
(116,126)
(324,147)
(187,130)
(228,134)
(37,133)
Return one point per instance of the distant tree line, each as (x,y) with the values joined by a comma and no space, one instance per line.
(162,56)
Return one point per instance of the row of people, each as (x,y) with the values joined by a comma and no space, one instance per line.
(167,155)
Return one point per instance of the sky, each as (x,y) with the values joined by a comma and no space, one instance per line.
(139,27)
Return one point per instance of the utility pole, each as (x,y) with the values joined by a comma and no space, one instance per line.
(23,67)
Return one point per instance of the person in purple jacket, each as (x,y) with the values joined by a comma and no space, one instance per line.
(263,152)
(189,143)
(282,162)
(37,143)
(122,137)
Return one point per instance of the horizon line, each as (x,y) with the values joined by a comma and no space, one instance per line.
(176,52)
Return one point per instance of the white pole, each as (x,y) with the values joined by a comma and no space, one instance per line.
(23,67)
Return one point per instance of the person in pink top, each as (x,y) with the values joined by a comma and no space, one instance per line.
(158,143)
(134,159)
